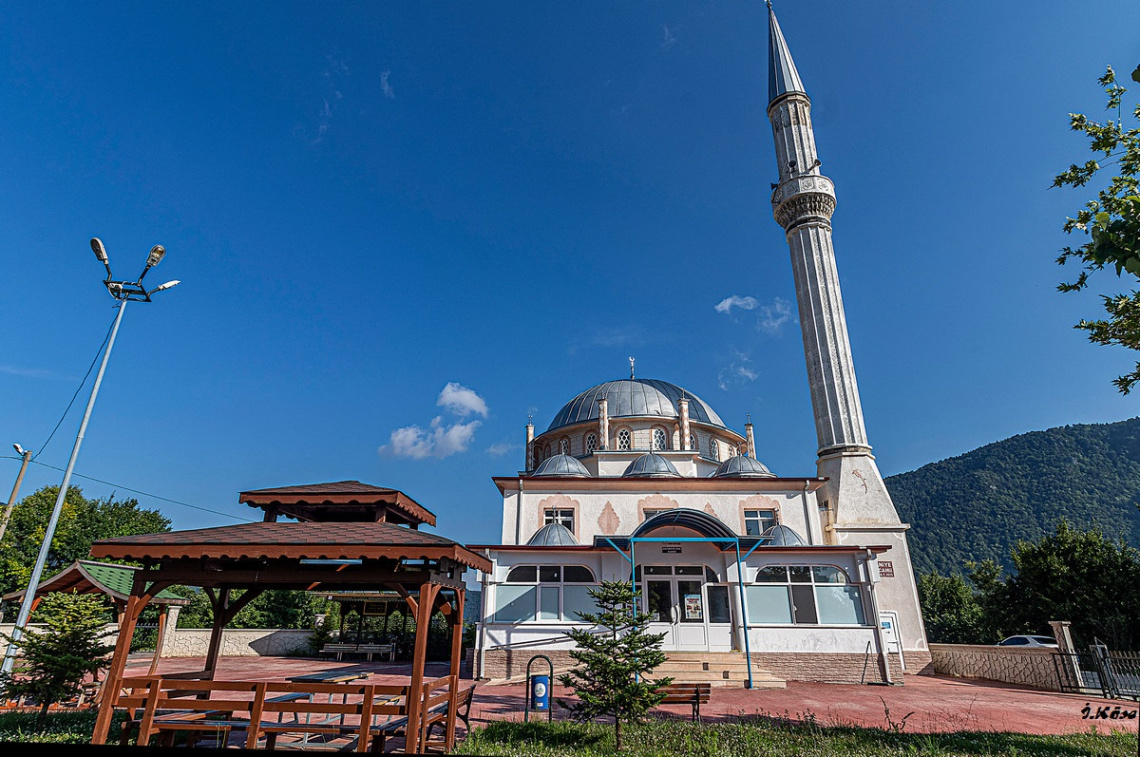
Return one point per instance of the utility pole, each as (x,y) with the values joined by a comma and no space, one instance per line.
(27,455)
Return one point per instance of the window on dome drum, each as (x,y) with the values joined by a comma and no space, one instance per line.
(564,517)
(659,439)
(693,443)
(803,595)
(624,439)
(564,446)
(551,593)
(714,449)
(591,443)
(757,522)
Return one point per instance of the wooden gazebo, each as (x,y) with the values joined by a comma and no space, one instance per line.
(425,569)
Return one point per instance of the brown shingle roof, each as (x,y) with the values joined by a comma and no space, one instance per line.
(290,540)
(309,499)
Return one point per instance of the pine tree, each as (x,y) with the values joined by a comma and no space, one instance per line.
(56,660)
(614,660)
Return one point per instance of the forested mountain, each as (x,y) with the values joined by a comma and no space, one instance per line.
(978,505)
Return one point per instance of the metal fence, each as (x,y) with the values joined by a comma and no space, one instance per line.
(1099,672)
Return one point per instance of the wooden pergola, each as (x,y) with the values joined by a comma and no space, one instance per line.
(425,569)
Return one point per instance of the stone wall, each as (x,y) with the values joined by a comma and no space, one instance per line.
(499,664)
(238,642)
(827,667)
(1026,666)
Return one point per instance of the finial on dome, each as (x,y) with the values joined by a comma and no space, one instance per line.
(631,368)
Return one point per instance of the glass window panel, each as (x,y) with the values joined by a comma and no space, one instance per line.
(548,603)
(839,604)
(577,599)
(828,575)
(658,438)
(591,443)
(514,604)
(659,570)
(692,606)
(659,601)
(772,574)
(801,574)
(523,574)
(577,574)
(688,570)
(757,522)
(803,605)
(718,605)
(549,574)
(768,604)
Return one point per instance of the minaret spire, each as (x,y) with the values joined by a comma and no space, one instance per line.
(782,75)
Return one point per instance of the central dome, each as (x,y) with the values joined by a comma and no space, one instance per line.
(634,398)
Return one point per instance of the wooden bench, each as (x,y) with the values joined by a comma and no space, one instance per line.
(437,711)
(339,650)
(695,694)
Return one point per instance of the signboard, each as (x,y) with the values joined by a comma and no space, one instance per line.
(693,610)
(671,548)
(375,608)
(886,569)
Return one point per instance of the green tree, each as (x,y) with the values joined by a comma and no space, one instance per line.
(950,609)
(1111,221)
(614,660)
(56,660)
(82,521)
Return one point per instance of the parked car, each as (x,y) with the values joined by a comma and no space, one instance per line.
(1028,641)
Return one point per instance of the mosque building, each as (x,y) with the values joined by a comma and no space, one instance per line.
(753,577)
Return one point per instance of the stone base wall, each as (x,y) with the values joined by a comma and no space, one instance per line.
(500,664)
(919,663)
(827,667)
(237,642)
(1026,666)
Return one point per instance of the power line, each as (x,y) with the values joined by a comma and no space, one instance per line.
(77,390)
(137,491)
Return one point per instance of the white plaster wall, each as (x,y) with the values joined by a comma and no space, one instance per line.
(812,639)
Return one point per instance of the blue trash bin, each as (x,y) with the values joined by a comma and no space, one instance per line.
(540,692)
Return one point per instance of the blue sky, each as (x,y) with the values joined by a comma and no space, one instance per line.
(370,203)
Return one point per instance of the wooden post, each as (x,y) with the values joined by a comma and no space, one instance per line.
(219,624)
(428,593)
(456,653)
(158,642)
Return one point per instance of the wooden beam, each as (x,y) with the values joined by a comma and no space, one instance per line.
(453,671)
(419,660)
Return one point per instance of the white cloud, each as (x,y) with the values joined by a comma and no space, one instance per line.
(461,400)
(737,372)
(774,316)
(498,450)
(736,301)
(440,440)
(385,87)
(668,38)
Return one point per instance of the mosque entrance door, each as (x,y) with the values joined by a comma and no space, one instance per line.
(675,603)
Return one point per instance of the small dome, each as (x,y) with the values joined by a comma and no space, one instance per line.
(782,536)
(651,465)
(740,466)
(561,465)
(552,535)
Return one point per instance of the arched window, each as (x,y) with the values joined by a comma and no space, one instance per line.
(546,451)
(714,449)
(537,452)
(693,443)
(624,439)
(660,440)
(591,443)
(564,446)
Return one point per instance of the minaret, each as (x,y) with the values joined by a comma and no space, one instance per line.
(854,503)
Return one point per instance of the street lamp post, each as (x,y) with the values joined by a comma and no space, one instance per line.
(124,292)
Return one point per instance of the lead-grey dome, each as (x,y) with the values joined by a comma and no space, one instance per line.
(562,465)
(782,536)
(633,398)
(740,466)
(650,465)
(552,535)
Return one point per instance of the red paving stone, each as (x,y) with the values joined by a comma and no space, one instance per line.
(929,703)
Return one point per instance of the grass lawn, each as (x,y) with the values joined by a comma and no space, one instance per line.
(762,736)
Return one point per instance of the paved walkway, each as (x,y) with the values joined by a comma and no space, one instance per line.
(927,703)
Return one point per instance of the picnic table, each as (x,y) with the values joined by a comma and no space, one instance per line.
(340,675)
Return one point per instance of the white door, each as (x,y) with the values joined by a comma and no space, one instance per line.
(691,629)
(660,607)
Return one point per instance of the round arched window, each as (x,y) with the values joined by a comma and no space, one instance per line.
(624,439)
(564,446)
(714,449)
(591,443)
(659,439)
(693,443)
